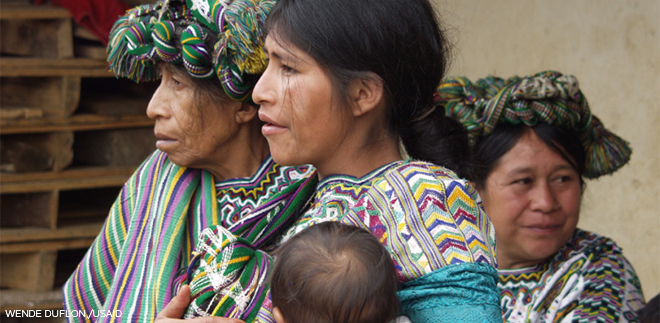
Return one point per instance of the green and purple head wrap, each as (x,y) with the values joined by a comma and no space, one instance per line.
(547,97)
(150,33)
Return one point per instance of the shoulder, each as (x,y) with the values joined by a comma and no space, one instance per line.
(419,179)
(590,246)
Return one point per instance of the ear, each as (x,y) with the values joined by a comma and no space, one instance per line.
(277,315)
(366,94)
(245,112)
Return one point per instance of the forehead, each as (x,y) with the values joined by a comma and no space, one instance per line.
(531,153)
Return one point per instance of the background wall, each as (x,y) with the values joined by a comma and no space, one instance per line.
(612,47)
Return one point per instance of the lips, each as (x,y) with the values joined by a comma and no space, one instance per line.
(270,127)
(163,141)
(544,229)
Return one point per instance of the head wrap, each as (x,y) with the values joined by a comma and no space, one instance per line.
(228,276)
(149,33)
(229,269)
(547,97)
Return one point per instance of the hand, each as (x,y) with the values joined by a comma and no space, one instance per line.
(177,306)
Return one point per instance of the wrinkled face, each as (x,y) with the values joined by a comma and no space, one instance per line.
(191,136)
(304,121)
(533,198)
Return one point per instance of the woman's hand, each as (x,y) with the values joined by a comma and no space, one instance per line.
(177,306)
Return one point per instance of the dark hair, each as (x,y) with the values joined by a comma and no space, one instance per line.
(651,312)
(489,149)
(333,272)
(401,43)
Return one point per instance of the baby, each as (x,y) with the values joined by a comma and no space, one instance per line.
(333,273)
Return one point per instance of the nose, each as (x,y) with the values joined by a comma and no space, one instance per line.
(158,105)
(264,90)
(544,199)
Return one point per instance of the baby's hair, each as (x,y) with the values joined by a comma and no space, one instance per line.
(332,272)
(651,312)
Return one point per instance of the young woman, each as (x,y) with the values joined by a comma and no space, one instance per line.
(212,166)
(348,83)
(535,139)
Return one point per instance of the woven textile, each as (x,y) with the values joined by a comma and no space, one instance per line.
(152,229)
(229,271)
(547,97)
(210,38)
(588,280)
(429,220)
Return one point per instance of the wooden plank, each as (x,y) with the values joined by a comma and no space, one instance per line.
(70,94)
(50,38)
(84,33)
(20,11)
(28,271)
(62,184)
(75,173)
(55,245)
(24,300)
(75,123)
(114,147)
(43,67)
(36,152)
(56,96)
(21,113)
(55,71)
(24,63)
(23,210)
(71,232)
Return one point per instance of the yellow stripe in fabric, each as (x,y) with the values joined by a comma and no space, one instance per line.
(76,279)
(459,194)
(108,236)
(220,303)
(214,204)
(134,252)
(176,178)
(168,251)
(163,262)
(105,281)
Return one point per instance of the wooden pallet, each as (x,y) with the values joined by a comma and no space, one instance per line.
(58,113)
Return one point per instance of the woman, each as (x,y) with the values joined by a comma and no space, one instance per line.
(212,166)
(535,140)
(347,81)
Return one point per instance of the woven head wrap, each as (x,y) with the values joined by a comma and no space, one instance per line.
(228,276)
(148,33)
(547,97)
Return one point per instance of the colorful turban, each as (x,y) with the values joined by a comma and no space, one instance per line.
(218,38)
(548,97)
(229,276)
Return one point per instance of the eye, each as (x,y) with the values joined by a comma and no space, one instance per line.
(177,84)
(523,181)
(287,70)
(564,179)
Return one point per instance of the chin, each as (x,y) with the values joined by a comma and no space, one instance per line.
(284,158)
(546,250)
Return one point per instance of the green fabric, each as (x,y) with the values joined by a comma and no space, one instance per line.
(547,97)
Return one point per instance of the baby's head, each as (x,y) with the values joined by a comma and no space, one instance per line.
(332,272)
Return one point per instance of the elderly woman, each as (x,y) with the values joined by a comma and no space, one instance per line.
(534,141)
(212,166)
(347,82)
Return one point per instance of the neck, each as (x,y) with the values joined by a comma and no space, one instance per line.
(361,153)
(243,155)
(506,262)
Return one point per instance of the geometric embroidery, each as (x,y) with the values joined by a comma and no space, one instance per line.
(588,280)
